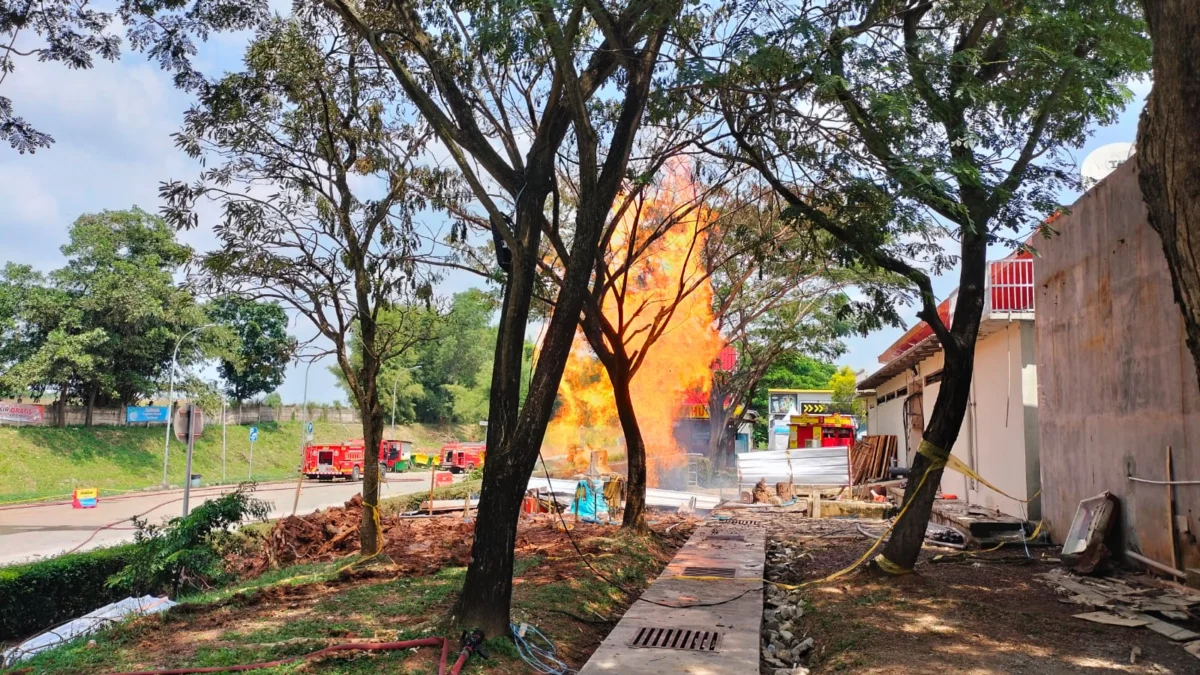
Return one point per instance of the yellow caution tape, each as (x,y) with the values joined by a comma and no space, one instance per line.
(933,454)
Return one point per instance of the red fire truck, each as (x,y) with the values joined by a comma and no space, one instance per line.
(347,460)
(460,457)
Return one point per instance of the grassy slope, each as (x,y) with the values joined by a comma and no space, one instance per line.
(44,461)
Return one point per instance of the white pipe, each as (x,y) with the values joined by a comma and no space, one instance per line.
(1163,482)
(1154,564)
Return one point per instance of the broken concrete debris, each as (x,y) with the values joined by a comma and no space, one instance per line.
(1131,604)
(783,647)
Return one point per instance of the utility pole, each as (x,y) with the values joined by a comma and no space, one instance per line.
(303,438)
(222,437)
(191,445)
(171,398)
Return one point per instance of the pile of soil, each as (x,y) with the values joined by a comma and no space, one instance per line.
(417,545)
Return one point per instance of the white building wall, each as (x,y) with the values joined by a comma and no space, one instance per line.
(995,438)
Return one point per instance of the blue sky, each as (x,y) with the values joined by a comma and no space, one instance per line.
(112,126)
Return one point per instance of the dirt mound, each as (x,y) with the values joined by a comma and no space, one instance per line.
(416,545)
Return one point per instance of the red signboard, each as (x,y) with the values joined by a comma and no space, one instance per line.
(23,413)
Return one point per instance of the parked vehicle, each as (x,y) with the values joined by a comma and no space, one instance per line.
(329,461)
(462,457)
(395,455)
(348,460)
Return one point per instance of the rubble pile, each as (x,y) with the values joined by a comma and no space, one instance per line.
(1171,611)
(783,646)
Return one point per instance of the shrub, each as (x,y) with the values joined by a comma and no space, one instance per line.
(39,595)
(187,552)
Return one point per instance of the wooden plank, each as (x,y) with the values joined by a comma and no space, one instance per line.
(1111,619)
(1168,630)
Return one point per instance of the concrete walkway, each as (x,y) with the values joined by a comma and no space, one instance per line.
(721,639)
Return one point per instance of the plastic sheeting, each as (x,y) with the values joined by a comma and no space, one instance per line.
(801,466)
(589,503)
(89,623)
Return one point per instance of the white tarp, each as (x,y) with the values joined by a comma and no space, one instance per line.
(802,466)
(654,496)
(89,623)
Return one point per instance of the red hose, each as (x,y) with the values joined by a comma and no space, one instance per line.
(350,646)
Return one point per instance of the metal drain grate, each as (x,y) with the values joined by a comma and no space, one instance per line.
(750,523)
(688,639)
(723,572)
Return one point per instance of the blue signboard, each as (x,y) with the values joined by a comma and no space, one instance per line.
(146,413)
(253,434)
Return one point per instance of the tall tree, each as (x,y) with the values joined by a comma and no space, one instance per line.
(264,346)
(890,123)
(299,139)
(102,328)
(1168,151)
(844,384)
(791,299)
(509,90)
(120,276)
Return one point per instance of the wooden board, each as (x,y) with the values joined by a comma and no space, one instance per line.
(1111,619)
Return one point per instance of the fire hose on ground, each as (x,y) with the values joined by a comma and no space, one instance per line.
(471,643)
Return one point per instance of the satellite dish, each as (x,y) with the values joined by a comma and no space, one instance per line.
(1103,161)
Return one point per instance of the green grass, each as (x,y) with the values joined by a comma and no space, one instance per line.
(45,461)
(223,628)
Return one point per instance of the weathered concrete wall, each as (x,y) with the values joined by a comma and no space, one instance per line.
(1117,384)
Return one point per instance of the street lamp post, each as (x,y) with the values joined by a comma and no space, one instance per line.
(303,434)
(171,398)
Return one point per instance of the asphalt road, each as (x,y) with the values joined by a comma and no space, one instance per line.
(32,531)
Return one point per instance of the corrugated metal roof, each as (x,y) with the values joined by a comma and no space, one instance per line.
(917,353)
(802,466)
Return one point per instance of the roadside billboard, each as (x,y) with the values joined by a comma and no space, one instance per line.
(23,413)
(146,413)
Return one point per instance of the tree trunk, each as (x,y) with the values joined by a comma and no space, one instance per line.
(372,427)
(511,451)
(91,405)
(371,412)
(719,433)
(635,454)
(62,406)
(1168,152)
(938,440)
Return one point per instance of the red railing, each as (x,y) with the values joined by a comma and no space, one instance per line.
(1010,285)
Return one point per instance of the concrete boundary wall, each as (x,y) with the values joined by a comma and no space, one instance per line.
(249,414)
(1116,382)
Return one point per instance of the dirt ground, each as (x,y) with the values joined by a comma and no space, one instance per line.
(966,615)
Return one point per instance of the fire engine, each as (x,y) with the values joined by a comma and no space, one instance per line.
(347,460)
(460,457)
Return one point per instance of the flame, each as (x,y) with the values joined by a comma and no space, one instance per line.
(678,362)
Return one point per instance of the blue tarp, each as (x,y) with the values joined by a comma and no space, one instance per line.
(589,503)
